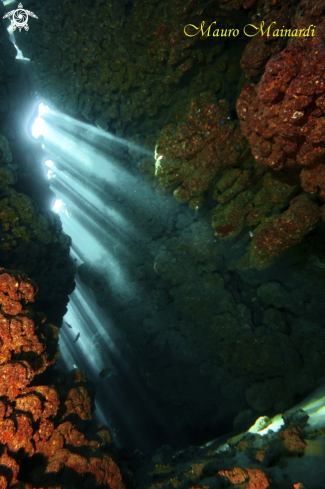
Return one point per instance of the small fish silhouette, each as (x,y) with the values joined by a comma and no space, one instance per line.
(106,372)
(69,325)
(76,338)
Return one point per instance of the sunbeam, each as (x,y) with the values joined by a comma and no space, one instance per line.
(89,183)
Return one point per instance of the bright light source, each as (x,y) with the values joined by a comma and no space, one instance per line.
(12,39)
(42,109)
(20,54)
(38,127)
(50,174)
(57,206)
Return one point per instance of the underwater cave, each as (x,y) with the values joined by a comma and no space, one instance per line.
(162,227)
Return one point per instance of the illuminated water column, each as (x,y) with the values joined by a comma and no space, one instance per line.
(87,178)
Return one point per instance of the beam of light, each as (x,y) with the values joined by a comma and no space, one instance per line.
(38,126)
(19,55)
(58,205)
(81,144)
(43,109)
(95,250)
(86,175)
(93,134)
(76,153)
(50,174)
(77,189)
(313,405)
(101,346)
(87,171)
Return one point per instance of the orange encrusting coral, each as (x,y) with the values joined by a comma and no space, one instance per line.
(28,414)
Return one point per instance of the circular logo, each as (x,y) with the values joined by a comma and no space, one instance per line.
(20,18)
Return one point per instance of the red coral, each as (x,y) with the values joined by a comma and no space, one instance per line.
(48,397)
(27,412)
(15,376)
(293,440)
(79,402)
(9,463)
(20,435)
(251,478)
(282,116)
(261,48)
(224,230)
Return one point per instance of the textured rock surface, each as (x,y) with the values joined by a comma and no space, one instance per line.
(34,242)
(282,116)
(263,47)
(31,237)
(114,68)
(203,145)
(205,148)
(210,339)
(249,461)
(29,422)
(203,331)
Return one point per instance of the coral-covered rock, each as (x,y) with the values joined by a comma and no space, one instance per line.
(263,47)
(276,234)
(49,398)
(9,469)
(78,375)
(19,221)
(282,116)
(23,335)
(293,440)
(27,413)
(105,436)
(33,242)
(252,199)
(252,478)
(78,401)
(105,471)
(205,143)
(229,219)
(133,54)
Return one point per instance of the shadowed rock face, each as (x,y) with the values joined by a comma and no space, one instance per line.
(120,63)
(203,332)
(34,242)
(31,236)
